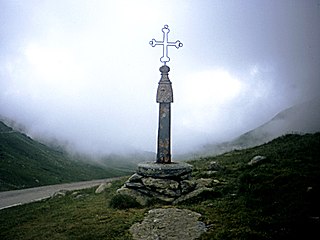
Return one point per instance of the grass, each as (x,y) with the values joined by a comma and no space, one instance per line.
(277,198)
(28,163)
(76,216)
(274,199)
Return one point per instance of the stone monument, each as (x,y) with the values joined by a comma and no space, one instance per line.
(162,179)
(164,98)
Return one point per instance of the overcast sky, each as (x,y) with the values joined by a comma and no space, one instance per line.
(83,72)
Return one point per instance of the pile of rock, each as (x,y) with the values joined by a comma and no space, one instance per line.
(170,183)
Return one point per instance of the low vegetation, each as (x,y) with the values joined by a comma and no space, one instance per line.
(25,163)
(276,198)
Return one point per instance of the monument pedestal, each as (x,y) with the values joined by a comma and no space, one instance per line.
(165,182)
(157,170)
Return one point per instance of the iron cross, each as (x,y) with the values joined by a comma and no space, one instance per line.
(164,59)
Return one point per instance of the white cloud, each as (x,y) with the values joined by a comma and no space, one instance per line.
(83,71)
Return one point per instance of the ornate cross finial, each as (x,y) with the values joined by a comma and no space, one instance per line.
(164,59)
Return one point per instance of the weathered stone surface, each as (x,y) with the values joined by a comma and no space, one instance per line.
(256,159)
(156,170)
(135,178)
(163,197)
(134,185)
(165,182)
(60,193)
(102,187)
(169,223)
(204,182)
(192,194)
(169,192)
(160,183)
(186,177)
(142,199)
(80,196)
(187,185)
(154,194)
(145,191)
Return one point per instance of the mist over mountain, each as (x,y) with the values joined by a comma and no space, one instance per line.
(25,163)
(83,72)
(300,118)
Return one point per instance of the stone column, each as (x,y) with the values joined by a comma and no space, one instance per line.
(165,98)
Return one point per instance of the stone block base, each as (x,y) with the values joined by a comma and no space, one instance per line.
(170,183)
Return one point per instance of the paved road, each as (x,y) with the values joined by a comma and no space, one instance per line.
(18,197)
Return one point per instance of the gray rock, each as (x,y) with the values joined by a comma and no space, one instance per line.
(163,198)
(157,170)
(187,186)
(169,192)
(165,182)
(160,183)
(256,159)
(157,195)
(135,178)
(60,193)
(186,177)
(192,194)
(80,196)
(169,223)
(134,185)
(204,182)
(102,187)
(142,199)
(145,191)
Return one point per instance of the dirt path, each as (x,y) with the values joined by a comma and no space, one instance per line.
(18,197)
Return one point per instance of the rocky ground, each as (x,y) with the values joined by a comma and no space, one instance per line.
(169,223)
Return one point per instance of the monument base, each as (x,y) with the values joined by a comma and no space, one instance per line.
(165,182)
(171,170)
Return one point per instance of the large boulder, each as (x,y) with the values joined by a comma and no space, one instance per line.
(169,223)
(142,199)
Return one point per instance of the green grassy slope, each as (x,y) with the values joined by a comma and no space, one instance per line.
(277,198)
(28,163)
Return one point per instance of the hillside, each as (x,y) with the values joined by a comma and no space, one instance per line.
(275,198)
(25,162)
(301,118)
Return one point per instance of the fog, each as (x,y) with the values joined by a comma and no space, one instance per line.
(82,72)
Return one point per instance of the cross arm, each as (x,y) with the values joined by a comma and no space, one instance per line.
(154,42)
(177,44)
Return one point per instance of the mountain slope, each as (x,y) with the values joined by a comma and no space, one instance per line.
(301,118)
(28,163)
(275,198)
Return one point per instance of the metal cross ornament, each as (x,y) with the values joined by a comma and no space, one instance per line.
(165,44)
